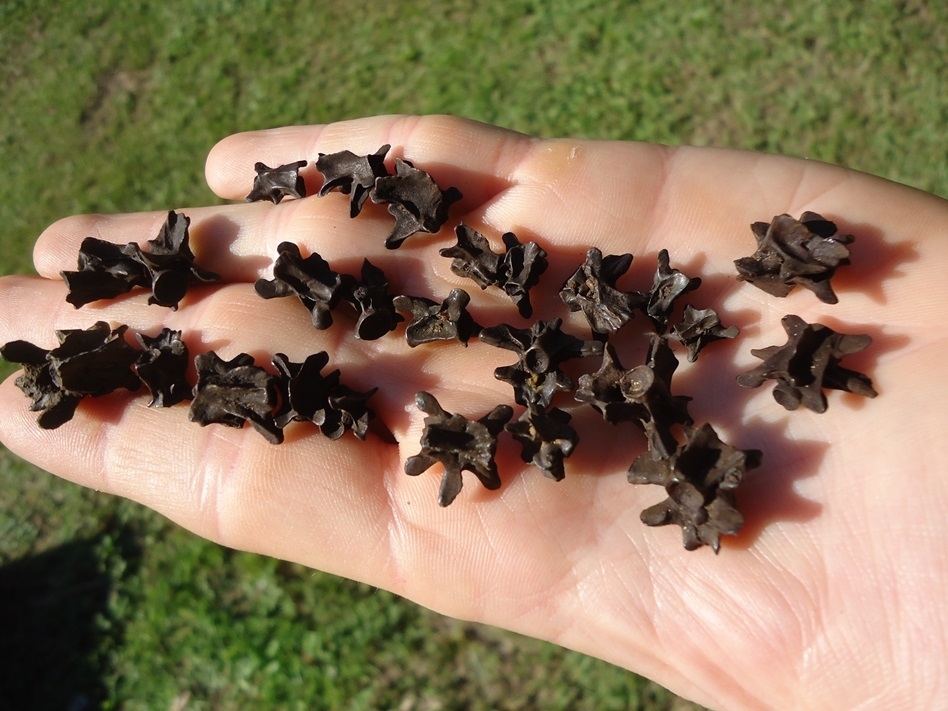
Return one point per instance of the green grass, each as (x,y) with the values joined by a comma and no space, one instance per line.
(113,108)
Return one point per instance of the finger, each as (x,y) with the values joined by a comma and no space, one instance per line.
(240,243)
(237,242)
(618,196)
(223,317)
(621,179)
(225,484)
(233,319)
(474,157)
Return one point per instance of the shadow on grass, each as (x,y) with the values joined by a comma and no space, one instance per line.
(54,616)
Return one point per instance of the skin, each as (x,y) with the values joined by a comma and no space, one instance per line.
(829,597)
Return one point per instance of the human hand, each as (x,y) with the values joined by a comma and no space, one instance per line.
(829,596)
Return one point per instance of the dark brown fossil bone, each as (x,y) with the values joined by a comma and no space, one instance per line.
(352,175)
(698,328)
(432,321)
(234,392)
(700,478)
(373,303)
(459,444)
(667,285)
(520,271)
(310,396)
(536,376)
(88,362)
(790,252)
(167,267)
(516,271)
(274,184)
(592,290)
(807,363)
(414,200)
(473,258)
(546,438)
(318,287)
(641,395)
(105,271)
(162,366)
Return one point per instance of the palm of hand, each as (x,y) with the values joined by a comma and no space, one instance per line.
(824,599)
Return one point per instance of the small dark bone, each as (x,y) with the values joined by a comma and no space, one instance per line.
(317,286)
(170,262)
(431,321)
(546,438)
(543,346)
(473,258)
(698,328)
(641,395)
(92,362)
(520,271)
(667,285)
(602,390)
(459,444)
(233,392)
(347,411)
(530,388)
(106,270)
(516,272)
(373,303)
(55,406)
(414,200)
(304,389)
(162,366)
(168,267)
(592,290)
(309,396)
(807,363)
(804,252)
(541,349)
(352,175)
(274,184)
(650,387)
(699,478)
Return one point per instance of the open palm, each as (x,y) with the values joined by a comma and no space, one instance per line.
(828,597)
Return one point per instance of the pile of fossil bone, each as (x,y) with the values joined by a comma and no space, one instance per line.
(698,471)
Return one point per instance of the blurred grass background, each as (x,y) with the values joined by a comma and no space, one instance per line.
(113,106)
